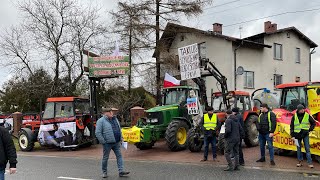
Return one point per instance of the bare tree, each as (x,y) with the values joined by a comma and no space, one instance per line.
(55,32)
(151,14)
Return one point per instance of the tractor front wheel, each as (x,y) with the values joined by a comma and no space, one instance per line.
(25,141)
(221,143)
(144,146)
(251,138)
(176,135)
(194,142)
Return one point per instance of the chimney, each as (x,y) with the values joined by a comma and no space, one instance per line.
(270,28)
(217,28)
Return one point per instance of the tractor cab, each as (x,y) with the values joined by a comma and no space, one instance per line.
(178,94)
(239,99)
(305,93)
(65,123)
(67,109)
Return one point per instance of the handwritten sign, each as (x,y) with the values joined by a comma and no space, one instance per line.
(189,62)
(192,104)
(108,66)
(314,99)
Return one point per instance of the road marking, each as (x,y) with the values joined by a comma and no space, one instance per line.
(311,175)
(72,178)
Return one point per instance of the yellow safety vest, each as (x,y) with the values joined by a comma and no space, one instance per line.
(269,120)
(304,123)
(210,124)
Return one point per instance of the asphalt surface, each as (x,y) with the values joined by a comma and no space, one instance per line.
(53,168)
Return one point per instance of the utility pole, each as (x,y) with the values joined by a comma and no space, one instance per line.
(158,52)
(130,54)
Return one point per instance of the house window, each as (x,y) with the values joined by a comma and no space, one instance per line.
(277,79)
(277,51)
(248,79)
(298,55)
(202,52)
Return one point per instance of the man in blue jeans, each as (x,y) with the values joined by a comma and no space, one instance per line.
(108,132)
(210,125)
(266,126)
(301,124)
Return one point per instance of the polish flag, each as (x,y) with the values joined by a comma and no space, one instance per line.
(170,81)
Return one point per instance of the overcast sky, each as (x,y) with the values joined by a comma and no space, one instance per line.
(226,12)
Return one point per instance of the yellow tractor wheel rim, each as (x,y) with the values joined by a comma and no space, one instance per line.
(182,135)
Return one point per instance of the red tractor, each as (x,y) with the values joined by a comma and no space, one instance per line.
(241,100)
(293,94)
(65,123)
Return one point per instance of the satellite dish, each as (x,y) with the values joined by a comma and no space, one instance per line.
(240,70)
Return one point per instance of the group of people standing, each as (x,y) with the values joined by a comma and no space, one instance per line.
(301,124)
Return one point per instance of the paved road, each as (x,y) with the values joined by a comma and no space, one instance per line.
(53,168)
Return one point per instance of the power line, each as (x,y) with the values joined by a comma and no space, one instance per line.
(244,5)
(230,2)
(274,15)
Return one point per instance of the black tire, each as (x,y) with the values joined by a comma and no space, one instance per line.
(25,141)
(221,144)
(194,142)
(79,137)
(172,133)
(251,138)
(281,152)
(317,158)
(144,146)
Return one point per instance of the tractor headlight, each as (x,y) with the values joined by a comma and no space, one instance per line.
(154,120)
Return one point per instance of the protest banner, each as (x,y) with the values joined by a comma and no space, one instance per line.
(108,66)
(192,104)
(189,62)
(283,139)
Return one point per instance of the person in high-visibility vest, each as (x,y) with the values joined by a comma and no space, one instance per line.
(266,125)
(301,124)
(210,125)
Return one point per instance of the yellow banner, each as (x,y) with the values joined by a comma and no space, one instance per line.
(314,99)
(131,135)
(283,140)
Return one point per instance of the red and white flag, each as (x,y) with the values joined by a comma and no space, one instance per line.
(170,81)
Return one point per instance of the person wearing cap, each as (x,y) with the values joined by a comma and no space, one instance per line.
(235,111)
(210,125)
(301,124)
(232,133)
(266,126)
(108,132)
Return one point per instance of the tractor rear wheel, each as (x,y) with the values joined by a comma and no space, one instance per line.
(25,141)
(144,145)
(194,142)
(221,144)
(176,135)
(251,138)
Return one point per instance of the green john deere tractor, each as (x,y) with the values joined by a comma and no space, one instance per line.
(170,121)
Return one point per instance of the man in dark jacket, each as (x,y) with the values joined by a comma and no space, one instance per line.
(210,125)
(7,152)
(266,126)
(301,124)
(235,111)
(232,133)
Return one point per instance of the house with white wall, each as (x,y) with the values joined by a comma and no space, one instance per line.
(272,57)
